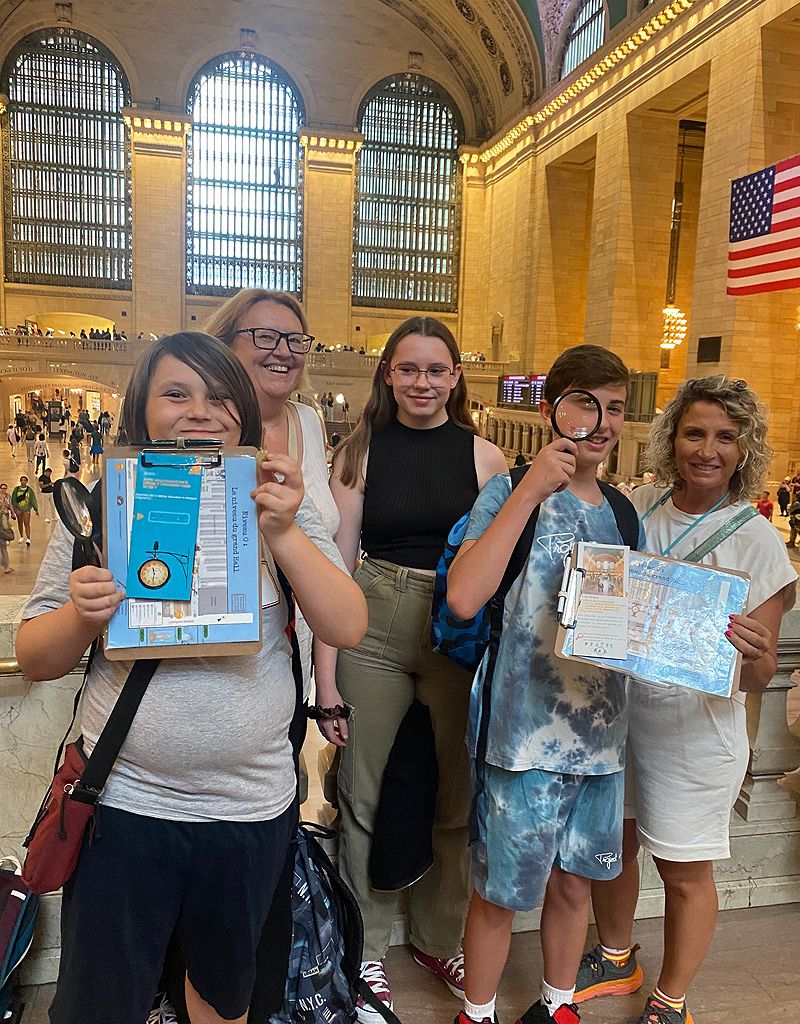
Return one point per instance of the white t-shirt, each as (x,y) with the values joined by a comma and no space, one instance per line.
(315,481)
(210,739)
(756,548)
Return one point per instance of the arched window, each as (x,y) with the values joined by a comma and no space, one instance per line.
(244,178)
(408,197)
(587,34)
(66,163)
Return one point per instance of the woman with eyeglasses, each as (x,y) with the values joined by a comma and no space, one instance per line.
(268,333)
(411,468)
(688,751)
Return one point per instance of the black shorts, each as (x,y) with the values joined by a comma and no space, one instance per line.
(142,878)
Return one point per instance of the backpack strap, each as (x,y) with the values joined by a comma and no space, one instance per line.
(743,516)
(496,606)
(624,513)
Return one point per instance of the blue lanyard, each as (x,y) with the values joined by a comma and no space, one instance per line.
(691,526)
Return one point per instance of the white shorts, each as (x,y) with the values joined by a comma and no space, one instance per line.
(686,759)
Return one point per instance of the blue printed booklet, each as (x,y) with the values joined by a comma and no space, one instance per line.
(677,615)
(181,535)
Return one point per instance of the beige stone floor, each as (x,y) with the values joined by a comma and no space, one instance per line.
(750,976)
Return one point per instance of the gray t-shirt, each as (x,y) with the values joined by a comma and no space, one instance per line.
(210,739)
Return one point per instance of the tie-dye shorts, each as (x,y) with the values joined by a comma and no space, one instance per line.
(530,820)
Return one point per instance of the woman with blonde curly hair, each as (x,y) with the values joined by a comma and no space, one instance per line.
(688,751)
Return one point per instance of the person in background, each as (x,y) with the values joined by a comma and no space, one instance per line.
(411,468)
(794,521)
(46,491)
(30,441)
(41,453)
(23,501)
(6,519)
(66,458)
(96,449)
(765,506)
(520,460)
(688,751)
(13,437)
(784,496)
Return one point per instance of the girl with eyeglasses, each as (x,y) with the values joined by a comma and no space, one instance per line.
(688,751)
(412,467)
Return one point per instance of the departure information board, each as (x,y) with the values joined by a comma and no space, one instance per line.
(521,390)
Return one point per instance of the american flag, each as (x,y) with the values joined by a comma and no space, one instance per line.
(764,251)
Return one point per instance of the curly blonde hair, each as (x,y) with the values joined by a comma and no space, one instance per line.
(742,405)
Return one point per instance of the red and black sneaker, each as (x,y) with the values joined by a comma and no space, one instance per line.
(462,1018)
(539,1014)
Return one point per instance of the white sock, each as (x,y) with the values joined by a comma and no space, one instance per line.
(480,1011)
(555,997)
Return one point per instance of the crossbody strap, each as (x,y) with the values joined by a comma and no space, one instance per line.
(726,530)
(109,742)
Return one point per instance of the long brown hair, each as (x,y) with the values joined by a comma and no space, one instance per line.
(381,406)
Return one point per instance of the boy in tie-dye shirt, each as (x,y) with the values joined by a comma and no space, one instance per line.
(550,807)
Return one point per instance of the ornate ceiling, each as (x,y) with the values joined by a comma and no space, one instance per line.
(492,47)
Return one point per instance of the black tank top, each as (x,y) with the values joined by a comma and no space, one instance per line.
(419,482)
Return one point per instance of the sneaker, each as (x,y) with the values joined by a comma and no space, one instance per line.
(598,976)
(47,520)
(163,1013)
(22,540)
(28,541)
(462,1018)
(375,976)
(450,971)
(539,1014)
(656,1012)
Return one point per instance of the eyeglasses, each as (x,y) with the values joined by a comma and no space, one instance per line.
(268,338)
(408,373)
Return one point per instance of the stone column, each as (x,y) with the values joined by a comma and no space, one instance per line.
(474,329)
(158,167)
(564,211)
(631,216)
(329,184)
(3,317)
(774,749)
(753,109)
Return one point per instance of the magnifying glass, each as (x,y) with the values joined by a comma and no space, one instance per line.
(577,415)
(73,504)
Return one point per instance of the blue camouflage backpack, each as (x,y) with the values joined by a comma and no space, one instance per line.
(323,980)
(18,910)
(465,640)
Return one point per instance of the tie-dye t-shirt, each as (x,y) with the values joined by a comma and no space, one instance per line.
(547,712)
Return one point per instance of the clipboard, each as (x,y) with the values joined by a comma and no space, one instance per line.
(223,616)
(677,617)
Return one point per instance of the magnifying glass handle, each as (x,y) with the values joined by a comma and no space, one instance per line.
(90,551)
